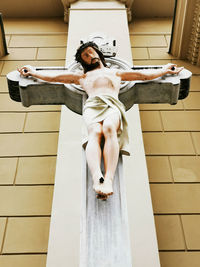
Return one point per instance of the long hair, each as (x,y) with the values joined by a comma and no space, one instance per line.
(82,62)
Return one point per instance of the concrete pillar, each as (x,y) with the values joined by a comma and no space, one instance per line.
(185,42)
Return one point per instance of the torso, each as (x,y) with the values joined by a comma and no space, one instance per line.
(101,82)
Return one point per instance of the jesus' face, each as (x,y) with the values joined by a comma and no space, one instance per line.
(90,58)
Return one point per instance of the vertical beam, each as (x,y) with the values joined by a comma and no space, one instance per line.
(109,17)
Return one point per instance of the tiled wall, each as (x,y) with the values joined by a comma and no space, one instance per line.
(172,144)
(28,147)
(28,138)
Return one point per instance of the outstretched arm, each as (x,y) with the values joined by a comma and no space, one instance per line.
(144,75)
(63,78)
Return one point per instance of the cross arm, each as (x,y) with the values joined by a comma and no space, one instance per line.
(68,77)
(144,75)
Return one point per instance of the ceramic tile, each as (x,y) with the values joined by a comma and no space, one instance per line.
(11,122)
(38,40)
(51,53)
(186,169)
(36,170)
(30,144)
(181,120)
(169,232)
(2,229)
(195,83)
(192,231)
(168,143)
(27,235)
(25,200)
(34,25)
(42,122)
(150,121)
(148,41)
(139,53)
(159,53)
(158,169)
(196,138)
(23,260)
(3,85)
(13,65)
(149,25)
(20,54)
(151,62)
(180,259)
(192,101)
(175,198)
(178,106)
(8,105)
(7,170)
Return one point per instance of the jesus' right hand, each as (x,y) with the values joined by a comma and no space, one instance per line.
(26,71)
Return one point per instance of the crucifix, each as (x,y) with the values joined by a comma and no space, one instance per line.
(105,239)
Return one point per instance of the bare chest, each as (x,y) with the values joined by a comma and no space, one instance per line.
(97,79)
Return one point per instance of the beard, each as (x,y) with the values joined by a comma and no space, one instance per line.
(92,66)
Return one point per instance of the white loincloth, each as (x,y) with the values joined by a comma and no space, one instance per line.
(97,108)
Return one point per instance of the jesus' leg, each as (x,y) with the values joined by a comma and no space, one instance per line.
(93,154)
(110,152)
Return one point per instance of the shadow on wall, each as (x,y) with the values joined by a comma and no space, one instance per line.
(153,8)
(54,8)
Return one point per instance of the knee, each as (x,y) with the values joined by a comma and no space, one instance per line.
(95,131)
(109,129)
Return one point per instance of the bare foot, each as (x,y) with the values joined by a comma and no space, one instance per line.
(107,187)
(97,183)
(103,187)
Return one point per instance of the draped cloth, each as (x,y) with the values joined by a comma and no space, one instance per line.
(98,108)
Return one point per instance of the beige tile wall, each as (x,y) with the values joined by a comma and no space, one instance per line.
(172,144)
(28,138)
(28,146)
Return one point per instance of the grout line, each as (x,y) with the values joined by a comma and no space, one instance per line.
(180,251)
(161,120)
(36,33)
(15,176)
(148,53)
(25,185)
(1,69)
(171,169)
(60,46)
(7,43)
(4,235)
(149,33)
(36,54)
(183,232)
(25,119)
(27,216)
(193,143)
(25,253)
(27,156)
(154,46)
(165,36)
(189,214)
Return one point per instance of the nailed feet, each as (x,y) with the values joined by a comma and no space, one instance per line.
(103,187)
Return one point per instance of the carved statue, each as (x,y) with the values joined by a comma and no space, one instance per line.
(103,113)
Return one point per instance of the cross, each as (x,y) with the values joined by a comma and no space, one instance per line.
(88,238)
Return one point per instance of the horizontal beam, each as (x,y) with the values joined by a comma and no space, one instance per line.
(167,89)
